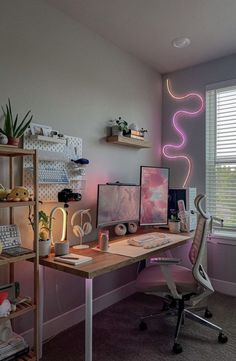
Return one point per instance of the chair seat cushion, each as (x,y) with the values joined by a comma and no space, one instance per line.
(151,279)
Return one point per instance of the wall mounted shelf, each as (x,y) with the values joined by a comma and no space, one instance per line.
(130,142)
(49,139)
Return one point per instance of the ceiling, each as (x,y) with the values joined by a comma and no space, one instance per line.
(145,28)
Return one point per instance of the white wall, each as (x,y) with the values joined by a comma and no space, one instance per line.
(75,81)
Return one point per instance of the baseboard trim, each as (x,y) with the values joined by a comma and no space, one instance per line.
(68,319)
(226,287)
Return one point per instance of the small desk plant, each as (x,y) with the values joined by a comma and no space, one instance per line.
(174,222)
(13,129)
(44,229)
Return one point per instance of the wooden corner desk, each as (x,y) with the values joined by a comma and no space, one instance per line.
(103,262)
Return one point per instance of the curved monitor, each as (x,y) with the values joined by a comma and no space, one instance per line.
(117,204)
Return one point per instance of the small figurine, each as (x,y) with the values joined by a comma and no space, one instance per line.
(5,306)
(19,194)
(4,192)
(3,139)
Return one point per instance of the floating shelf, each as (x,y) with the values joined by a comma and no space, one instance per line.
(130,142)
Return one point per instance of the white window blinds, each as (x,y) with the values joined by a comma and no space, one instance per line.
(221,154)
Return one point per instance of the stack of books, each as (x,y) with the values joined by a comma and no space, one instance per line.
(135,134)
(14,347)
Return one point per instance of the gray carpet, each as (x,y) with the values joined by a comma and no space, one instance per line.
(117,336)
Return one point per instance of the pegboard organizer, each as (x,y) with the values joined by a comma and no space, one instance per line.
(55,166)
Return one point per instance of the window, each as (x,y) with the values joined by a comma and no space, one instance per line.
(221,152)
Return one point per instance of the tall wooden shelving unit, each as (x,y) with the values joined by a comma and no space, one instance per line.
(15,153)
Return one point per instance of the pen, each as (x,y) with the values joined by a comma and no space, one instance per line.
(68,257)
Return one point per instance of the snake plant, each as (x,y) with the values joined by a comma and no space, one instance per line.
(12,127)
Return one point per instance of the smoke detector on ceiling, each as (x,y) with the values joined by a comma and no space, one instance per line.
(181,42)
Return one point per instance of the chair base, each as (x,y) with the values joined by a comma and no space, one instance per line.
(181,313)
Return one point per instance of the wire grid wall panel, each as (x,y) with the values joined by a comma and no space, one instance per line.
(71,148)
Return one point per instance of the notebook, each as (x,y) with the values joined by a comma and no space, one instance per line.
(73,259)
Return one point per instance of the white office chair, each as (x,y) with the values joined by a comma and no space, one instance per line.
(180,287)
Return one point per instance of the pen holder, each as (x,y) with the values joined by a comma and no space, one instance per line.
(61,248)
(103,240)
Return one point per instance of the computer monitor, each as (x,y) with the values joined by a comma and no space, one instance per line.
(154,183)
(117,204)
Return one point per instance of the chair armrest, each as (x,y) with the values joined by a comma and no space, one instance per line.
(165,260)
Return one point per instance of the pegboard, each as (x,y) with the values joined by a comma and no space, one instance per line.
(68,148)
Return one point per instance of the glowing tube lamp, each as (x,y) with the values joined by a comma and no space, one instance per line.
(169,148)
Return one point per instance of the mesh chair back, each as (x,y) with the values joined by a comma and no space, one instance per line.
(198,246)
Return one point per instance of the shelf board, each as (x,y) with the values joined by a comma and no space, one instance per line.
(5,204)
(11,151)
(49,139)
(21,309)
(131,142)
(6,260)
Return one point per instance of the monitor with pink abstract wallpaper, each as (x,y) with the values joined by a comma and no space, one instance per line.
(154,183)
(117,204)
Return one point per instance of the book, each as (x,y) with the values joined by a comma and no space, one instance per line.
(73,259)
(134,136)
(134,132)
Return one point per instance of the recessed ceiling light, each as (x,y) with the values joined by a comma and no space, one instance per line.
(181,42)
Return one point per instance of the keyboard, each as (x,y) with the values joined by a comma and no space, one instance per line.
(52,176)
(11,241)
(149,240)
(58,176)
(10,236)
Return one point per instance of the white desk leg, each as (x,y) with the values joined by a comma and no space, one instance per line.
(41,299)
(88,319)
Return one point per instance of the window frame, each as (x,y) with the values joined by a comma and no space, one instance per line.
(211,156)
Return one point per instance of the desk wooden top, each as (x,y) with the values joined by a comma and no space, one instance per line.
(103,262)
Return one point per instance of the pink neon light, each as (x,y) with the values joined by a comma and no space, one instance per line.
(167,147)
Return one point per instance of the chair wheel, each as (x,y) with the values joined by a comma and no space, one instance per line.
(142,326)
(222,338)
(177,348)
(208,314)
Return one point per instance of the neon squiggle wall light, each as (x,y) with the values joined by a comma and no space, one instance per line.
(168,147)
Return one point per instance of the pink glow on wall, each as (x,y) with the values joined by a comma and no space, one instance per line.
(168,148)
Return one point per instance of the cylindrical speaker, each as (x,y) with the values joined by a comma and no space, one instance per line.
(61,248)
(120,229)
(132,227)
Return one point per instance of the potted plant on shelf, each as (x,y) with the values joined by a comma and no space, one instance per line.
(143,131)
(119,127)
(174,223)
(13,129)
(44,229)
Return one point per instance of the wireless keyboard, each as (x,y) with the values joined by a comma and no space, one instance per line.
(10,236)
(58,176)
(11,241)
(149,240)
(51,176)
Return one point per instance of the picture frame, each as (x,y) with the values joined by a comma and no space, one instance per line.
(40,129)
(154,188)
